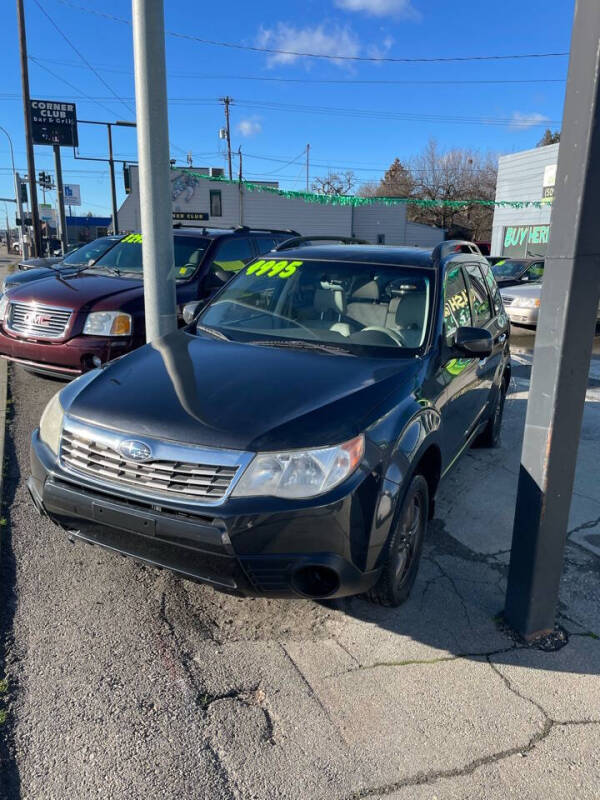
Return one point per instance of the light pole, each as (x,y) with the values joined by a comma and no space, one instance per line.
(17,186)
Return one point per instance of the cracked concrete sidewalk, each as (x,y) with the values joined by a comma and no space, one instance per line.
(129,682)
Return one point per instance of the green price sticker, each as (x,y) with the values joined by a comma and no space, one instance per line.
(283,269)
(133,238)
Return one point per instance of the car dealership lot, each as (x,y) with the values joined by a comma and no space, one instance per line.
(122,676)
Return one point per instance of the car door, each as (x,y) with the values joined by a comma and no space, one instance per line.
(458,374)
(483,311)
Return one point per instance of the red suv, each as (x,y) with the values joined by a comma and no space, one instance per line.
(63,326)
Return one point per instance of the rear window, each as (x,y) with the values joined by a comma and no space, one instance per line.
(127,255)
(509,269)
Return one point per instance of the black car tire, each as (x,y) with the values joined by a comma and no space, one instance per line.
(490,437)
(404,547)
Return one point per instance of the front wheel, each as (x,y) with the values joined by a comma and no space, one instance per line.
(404,547)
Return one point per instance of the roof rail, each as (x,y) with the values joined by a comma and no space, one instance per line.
(455,246)
(302,240)
(251,229)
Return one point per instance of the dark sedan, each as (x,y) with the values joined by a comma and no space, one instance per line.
(290,441)
(512,271)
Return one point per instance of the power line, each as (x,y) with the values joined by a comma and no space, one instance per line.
(317,81)
(331,57)
(68,83)
(82,57)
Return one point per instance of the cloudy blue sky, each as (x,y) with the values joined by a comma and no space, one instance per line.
(356,114)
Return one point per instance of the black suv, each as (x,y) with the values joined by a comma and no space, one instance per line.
(290,440)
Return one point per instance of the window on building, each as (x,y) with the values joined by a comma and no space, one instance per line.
(216,203)
(381,238)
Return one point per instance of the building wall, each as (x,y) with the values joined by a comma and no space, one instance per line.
(266,210)
(521,177)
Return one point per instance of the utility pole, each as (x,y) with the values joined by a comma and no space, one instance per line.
(563,346)
(60,194)
(307,167)
(241,173)
(113,188)
(154,170)
(35,216)
(226,101)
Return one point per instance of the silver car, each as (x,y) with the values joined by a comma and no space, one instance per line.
(522,303)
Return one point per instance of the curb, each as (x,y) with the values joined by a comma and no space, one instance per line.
(3,410)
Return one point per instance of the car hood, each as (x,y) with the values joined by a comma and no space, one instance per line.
(524,290)
(75,291)
(207,392)
(44,261)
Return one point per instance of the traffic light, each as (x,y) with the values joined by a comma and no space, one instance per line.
(23,188)
(126,178)
(45,180)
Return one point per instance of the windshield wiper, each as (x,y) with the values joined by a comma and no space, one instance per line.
(113,270)
(302,344)
(212,332)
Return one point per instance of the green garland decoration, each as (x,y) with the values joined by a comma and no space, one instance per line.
(353,200)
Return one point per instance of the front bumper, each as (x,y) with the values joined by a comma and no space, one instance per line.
(523,316)
(316,551)
(66,359)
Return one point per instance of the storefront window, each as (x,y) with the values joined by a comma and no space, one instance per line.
(525,241)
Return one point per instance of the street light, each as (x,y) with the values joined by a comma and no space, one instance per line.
(17,188)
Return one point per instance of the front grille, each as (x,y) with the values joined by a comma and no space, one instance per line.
(88,456)
(507,300)
(37,321)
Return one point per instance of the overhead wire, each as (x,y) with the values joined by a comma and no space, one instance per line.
(327,56)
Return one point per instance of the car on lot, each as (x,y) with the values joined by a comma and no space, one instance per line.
(290,440)
(65,325)
(522,303)
(88,254)
(512,271)
(47,261)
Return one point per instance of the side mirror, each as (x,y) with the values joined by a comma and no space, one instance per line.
(474,342)
(190,310)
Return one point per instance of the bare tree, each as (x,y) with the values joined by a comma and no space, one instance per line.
(452,175)
(336,183)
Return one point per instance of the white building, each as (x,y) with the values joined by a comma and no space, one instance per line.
(528,175)
(197,201)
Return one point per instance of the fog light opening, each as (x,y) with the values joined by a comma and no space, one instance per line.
(314,581)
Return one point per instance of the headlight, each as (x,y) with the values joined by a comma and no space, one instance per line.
(301,473)
(108,323)
(527,302)
(3,306)
(51,423)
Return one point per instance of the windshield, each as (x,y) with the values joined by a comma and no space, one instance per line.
(89,252)
(509,269)
(127,255)
(349,305)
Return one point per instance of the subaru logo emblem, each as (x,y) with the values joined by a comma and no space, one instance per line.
(133,450)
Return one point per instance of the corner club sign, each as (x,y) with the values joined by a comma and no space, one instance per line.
(53,123)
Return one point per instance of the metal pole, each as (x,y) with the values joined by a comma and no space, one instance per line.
(20,214)
(154,177)
(563,345)
(17,185)
(227,101)
(113,188)
(35,217)
(60,195)
(307,167)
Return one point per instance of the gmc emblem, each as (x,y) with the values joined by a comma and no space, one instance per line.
(34,318)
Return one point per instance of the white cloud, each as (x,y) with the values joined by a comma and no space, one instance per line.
(249,127)
(381,49)
(522,122)
(321,40)
(381,8)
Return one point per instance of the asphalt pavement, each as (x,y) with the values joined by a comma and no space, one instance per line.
(124,681)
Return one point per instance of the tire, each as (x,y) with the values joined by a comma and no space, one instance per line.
(490,437)
(404,547)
